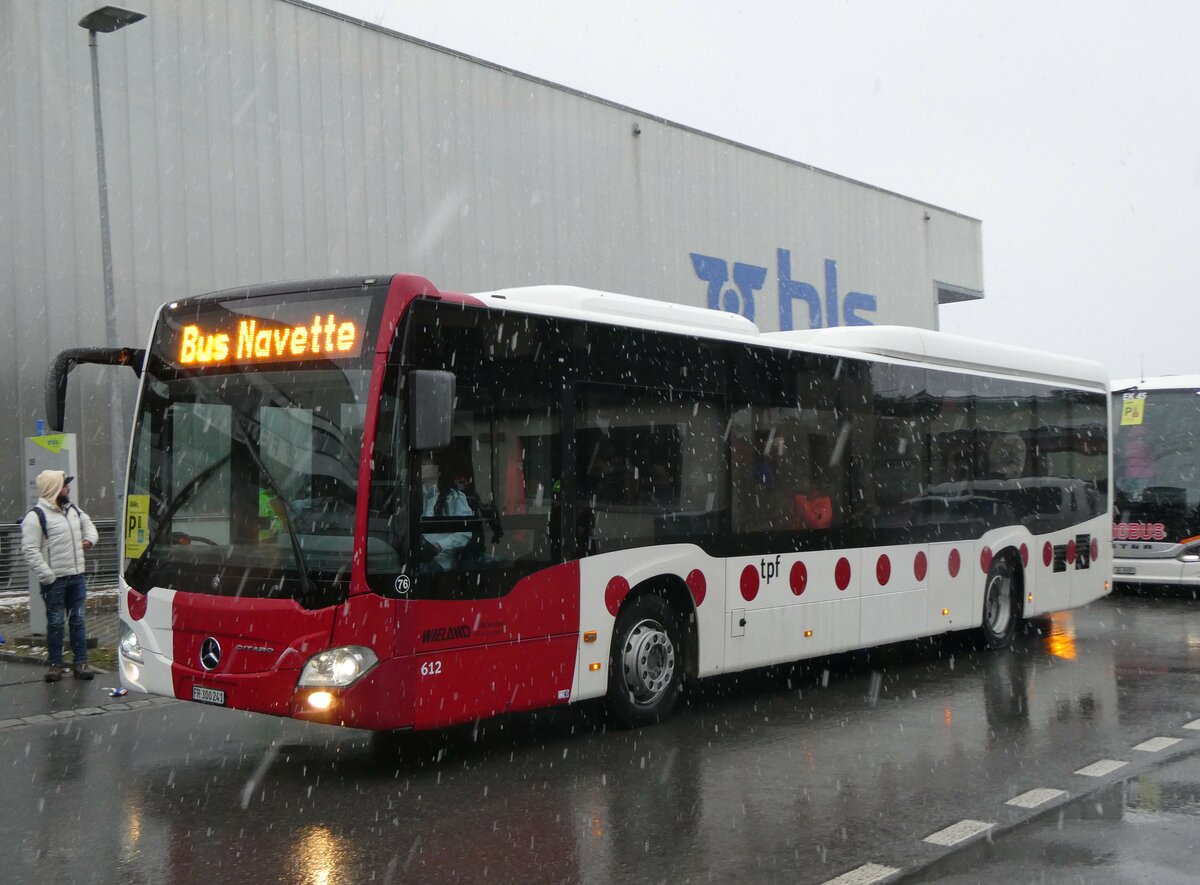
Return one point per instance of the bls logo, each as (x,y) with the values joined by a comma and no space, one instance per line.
(749,279)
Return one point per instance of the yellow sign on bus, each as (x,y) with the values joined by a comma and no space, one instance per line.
(137,525)
(1133,410)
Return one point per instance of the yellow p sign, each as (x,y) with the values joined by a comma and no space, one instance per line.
(1132,411)
(137,525)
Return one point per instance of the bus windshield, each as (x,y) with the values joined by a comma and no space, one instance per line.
(1155,466)
(243,479)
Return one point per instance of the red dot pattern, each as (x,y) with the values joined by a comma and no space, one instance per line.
(1047,554)
(697,585)
(614,594)
(883,570)
(1025,556)
(954,563)
(985,559)
(920,566)
(841,573)
(798,577)
(749,583)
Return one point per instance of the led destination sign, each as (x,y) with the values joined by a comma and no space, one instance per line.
(231,335)
(256,342)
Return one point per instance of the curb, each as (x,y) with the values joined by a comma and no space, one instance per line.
(21,657)
(14,657)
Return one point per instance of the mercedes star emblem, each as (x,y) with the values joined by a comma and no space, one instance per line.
(210,654)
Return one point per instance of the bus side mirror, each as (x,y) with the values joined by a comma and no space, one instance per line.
(431,408)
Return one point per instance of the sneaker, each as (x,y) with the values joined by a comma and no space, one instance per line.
(54,673)
(83,671)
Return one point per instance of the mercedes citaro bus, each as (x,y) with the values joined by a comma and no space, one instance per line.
(371,503)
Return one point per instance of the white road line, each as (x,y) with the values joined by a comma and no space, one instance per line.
(1034,798)
(1194,725)
(864,875)
(1101,768)
(959,832)
(1155,744)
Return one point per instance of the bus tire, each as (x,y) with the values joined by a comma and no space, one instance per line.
(1001,605)
(645,668)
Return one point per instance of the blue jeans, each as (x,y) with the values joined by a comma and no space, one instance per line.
(64,599)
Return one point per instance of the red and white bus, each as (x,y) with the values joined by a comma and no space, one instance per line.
(1156,481)
(370,503)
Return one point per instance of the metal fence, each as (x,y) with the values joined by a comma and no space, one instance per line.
(14,573)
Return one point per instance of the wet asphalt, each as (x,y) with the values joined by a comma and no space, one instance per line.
(899,763)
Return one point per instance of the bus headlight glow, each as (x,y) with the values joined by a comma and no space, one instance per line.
(338,666)
(128,644)
(320,700)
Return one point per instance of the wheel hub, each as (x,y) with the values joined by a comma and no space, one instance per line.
(999,604)
(648,661)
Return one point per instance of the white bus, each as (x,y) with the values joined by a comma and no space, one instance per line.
(1156,481)
(655,491)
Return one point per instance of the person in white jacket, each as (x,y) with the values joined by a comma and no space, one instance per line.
(54,543)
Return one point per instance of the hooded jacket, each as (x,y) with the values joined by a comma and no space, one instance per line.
(58,552)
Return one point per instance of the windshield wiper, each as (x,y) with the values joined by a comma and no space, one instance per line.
(185,494)
(245,427)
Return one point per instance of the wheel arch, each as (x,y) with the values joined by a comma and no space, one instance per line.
(1012,556)
(674,591)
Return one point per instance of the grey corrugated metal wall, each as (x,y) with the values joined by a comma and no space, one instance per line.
(252,140)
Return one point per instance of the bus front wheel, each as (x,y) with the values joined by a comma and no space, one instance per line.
(645,669)
(1000,604)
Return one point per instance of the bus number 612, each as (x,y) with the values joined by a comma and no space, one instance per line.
(431,668)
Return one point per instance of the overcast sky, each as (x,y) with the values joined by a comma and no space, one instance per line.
(1071,130)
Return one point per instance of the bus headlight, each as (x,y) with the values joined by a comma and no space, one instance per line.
(128,644)
(338,666)
(1189,554)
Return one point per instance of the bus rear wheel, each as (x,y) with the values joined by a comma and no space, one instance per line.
(645,669)
(1000,604)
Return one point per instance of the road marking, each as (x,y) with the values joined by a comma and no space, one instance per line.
(1034,798)
(1194,725)
(1155,744)
(864,875)
(1101,768)
(959,832)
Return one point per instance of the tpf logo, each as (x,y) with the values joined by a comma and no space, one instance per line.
(748,279)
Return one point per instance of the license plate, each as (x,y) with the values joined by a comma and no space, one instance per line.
(208,695)
(1124,570)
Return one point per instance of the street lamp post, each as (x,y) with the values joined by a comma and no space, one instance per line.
(104,21)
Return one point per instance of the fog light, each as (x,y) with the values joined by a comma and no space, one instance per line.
(132,672)
(320,700)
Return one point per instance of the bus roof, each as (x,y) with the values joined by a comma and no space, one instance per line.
(1158,382)
(579,303)
(890,342)
(904,343)
(953,351)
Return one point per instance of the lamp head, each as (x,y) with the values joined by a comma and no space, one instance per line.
(107,19)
